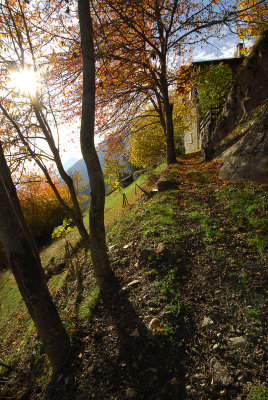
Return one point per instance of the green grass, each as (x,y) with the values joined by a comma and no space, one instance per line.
(258,393)
(114,202)
(247,209)
(15,322)
(113,210)
(253,313)
(153,218)
(87,304)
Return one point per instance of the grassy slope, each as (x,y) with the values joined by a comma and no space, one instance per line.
(17,332)
(201,212)
(113,209)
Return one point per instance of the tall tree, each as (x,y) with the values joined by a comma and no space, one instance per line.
(142,43)
(25,264)
(213,84)
(139,46)
(99,254)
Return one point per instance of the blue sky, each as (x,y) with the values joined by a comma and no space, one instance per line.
(218,48)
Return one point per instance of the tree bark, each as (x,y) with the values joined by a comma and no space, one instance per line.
(171,151)
(12,195)
(99,254)
(26,267)
(168,110)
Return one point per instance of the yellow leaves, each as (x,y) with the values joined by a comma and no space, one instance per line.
(148,142)
(256,17)
(16,342)
(84,339)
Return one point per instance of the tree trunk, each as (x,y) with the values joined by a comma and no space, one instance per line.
(13,198)
(99,255)
(77,214)
(26,267)
(171,151)
(168,110)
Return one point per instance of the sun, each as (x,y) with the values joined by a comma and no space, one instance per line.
(25,81)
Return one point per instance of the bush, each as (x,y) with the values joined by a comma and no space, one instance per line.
(213,84)
(41,208)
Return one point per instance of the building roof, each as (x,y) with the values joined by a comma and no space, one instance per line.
(229,61)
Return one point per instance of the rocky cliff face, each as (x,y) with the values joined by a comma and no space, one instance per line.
(247,159)
(250,90)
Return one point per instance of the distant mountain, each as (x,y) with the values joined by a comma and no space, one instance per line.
(69,163)
(80,166)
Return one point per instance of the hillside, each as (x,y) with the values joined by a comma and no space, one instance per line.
(187,318)
(69,163)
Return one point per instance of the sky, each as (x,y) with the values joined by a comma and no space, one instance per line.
(223,47)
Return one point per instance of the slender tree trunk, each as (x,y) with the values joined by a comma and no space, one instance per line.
(171,151)
(99,255)
(26,267)
(168,110)
(77,214)
(13,198)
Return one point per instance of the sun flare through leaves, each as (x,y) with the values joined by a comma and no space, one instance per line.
(25,81)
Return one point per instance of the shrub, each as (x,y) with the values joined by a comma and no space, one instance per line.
(213,84)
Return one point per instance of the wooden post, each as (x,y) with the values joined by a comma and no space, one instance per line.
(125,201)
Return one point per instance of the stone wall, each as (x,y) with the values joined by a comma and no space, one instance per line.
(247,159)
(192,138)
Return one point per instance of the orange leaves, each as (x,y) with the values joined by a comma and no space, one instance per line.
(39,204)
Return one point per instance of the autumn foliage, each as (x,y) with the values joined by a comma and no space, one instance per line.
(40,207)
(148,141)
(255,15)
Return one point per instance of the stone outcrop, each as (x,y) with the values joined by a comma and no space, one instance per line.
(250,90)
(247,159)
